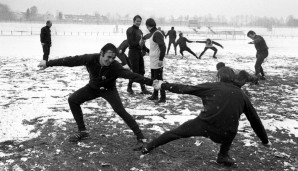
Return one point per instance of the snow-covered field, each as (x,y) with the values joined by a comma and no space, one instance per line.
(27,93)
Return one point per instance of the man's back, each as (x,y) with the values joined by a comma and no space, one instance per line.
(45,35)
(223,103)
(172,34)
(260,43)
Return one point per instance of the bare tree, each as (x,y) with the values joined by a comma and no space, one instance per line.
(5,13)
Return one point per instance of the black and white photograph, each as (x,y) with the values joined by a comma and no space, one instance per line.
(141,85)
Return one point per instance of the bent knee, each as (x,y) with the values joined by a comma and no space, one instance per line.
(72,99)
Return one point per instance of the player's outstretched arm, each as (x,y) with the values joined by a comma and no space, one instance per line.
(255,121)
(217,44)
(200,41)
(197,90)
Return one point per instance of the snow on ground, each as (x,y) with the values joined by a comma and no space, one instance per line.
(28,93)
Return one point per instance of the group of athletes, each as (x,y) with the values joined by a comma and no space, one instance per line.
(223,100)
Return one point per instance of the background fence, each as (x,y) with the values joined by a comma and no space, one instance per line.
(33,29)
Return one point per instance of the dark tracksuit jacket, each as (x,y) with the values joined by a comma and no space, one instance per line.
(102,83)
(172,35)
(182,42)
(183,46)
(262,53)
(135,54)
(45,37)
(101,77)
(134,35)
(223,105)
(260,43)
(211,44)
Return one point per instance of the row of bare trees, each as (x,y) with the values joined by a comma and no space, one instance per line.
(32,14)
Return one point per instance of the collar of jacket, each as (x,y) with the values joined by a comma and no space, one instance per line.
(153,29)
(98,59)
(134,26)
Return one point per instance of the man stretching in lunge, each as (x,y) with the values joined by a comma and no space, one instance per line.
(183,46)
(223,104)
(209,45)
(103,72)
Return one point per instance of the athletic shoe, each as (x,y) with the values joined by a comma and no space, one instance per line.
(224,159)
(152,98)
(161,101)
(145,151)
(81,135)
(140,144)
(214,57)
(262,78)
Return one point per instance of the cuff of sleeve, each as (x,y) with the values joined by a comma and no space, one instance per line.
(164,86)
(48,64)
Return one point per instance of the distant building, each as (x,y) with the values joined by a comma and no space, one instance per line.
(125,21)
(193,23)
(176,22)
(18,15)
(85,18)
(49,16)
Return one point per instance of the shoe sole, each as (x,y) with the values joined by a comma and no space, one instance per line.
(85,138)
(225,164)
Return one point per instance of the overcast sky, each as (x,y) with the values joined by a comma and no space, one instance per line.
(166,8)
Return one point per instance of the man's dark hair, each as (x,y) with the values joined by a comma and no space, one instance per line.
(172,28)
(135,18)
(48,22)
(251,32)
(243,75)
(219,65)
(109,46)
(150,22)
(226,74)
